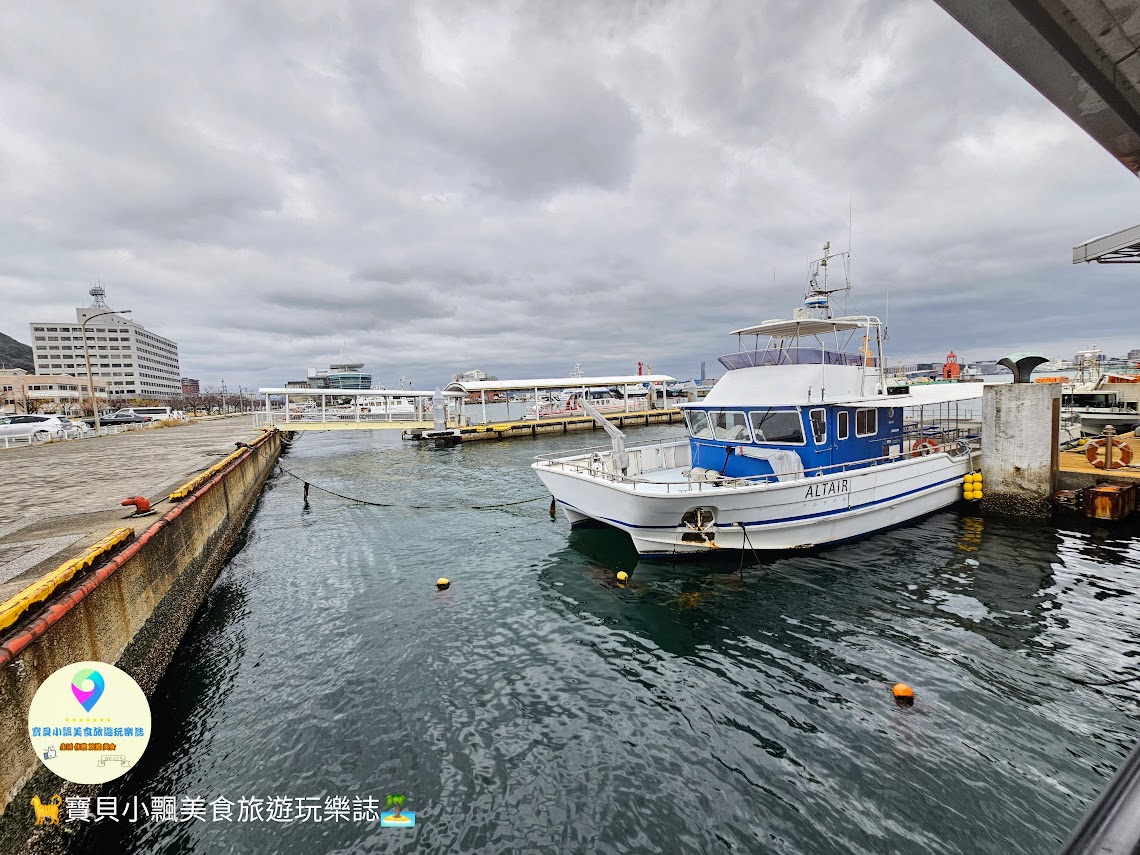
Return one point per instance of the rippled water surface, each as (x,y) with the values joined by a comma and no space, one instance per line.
(537,706)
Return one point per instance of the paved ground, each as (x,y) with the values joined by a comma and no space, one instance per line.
(58,498)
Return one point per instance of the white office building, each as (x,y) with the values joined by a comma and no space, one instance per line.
(132,361)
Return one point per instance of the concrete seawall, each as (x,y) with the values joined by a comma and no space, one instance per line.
(132,610)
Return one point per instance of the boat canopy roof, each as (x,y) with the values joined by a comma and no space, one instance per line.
(917,396)
(920,396)
(808,326)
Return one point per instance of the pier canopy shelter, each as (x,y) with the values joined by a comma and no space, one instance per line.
(312,404)
(476,390)
(1119,248)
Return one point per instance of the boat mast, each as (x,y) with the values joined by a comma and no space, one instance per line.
(818,295)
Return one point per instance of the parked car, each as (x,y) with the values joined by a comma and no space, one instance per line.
(35,428)
(120,417)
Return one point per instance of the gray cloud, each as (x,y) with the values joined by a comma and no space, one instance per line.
(523,186)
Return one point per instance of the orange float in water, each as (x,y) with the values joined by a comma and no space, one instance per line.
(904,694)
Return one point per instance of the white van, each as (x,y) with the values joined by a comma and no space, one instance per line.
(154,413)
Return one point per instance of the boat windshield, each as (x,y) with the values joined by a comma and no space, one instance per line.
(777,426)
(794,356)
(698,422)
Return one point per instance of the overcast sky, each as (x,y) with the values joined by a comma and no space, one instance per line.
(520,187)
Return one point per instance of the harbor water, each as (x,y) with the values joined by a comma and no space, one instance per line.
(538,706)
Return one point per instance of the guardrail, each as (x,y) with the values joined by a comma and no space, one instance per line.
(77,432)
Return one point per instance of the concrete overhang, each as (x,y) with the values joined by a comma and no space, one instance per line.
(1083,55)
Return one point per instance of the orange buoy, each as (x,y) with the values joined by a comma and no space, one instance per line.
(1093,455)
(903,694)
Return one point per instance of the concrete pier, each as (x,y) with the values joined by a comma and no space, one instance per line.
(132,605)
(1020,437)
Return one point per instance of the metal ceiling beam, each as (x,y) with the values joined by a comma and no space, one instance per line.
(1080,54)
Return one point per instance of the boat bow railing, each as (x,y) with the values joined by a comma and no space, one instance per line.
(596,461)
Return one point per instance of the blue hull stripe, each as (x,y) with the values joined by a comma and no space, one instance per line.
(757,523)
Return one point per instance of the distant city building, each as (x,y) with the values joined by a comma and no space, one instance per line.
(298,384)
(21,392)
(472,376)
(129,358)
(190,386)
(1134,355)
(340,375)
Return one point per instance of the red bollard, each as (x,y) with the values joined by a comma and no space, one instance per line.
(140,503)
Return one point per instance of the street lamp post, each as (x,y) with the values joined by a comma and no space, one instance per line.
(87,356)
(223,398)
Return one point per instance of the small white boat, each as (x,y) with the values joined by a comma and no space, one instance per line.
(801,442)
(601,399)
(1097,409)
(397,408)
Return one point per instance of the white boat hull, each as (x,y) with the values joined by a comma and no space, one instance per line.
(791,514)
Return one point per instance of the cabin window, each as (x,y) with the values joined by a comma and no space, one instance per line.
(698,422)
(818,426)
(777,426)
(731,426)
(866,422)
(842,424)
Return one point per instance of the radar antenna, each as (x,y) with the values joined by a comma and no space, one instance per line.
(97,293)
(817,297)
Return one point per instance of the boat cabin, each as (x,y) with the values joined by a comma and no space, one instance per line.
(812,400)
(1095,400)
(746,442)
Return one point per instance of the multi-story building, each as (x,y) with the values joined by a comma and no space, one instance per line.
(190,386)
(133,361)
(21,392)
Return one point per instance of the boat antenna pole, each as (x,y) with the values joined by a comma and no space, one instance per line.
(847,293)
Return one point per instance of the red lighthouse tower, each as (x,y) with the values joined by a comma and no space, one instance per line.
(951,370)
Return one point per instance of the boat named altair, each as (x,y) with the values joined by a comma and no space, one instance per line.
(802,442)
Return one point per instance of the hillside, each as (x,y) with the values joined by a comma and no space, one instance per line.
(15,354)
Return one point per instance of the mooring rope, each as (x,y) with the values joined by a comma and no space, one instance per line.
(371,503)
(747,542)
(1101,684)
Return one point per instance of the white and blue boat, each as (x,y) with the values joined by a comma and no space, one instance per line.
(804,441)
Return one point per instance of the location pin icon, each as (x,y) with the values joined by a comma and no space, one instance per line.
(87,697)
